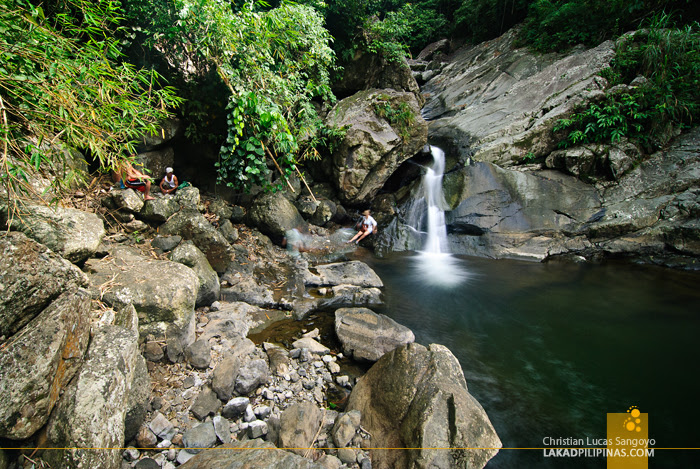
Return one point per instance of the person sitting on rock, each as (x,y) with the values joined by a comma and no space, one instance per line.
(368,226)
(135,179)
(169,183)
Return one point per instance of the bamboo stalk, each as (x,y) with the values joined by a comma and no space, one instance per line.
(278,167)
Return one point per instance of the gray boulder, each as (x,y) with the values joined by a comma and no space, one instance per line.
(128,200)
(198,354)
(162,292)
(91,412)
(346,273)
(166,243)
(72,233)
(31,276)
(205,404)
(252,453)
(199,437)
(209,287)
(188,197)
(366,335)
(416,397)
(375,143)
(229,231)
(160,209)
(139,397)
(273,214)
(190,224)
(368,70)
(225,374)
(251,375)
(345,428)
(39,361)
(298,425)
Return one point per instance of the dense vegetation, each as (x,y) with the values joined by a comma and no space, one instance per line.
(251,76)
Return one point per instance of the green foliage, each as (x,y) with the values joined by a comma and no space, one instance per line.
(400,116)
(669,60)
(480,20)
(554,25)
(62,81)
(273,64)
(388,37)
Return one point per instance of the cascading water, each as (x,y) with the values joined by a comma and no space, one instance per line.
(434,262)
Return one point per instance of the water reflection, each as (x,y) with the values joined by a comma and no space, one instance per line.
(439,269)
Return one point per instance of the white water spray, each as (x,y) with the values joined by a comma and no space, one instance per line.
(435,264)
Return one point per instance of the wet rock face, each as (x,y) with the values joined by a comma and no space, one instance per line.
(500,103)
(416,397)
(384,130)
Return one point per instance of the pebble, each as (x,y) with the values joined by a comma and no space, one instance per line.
(333,367)
(131,454)
(342,380)
(328,358)
(183,456)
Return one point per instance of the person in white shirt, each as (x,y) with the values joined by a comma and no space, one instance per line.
(368,225)
(169,183)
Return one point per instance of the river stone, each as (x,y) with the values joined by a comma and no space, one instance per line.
(373,147)
(205,404)
(251,375)
(162,427)
(147,463)
(366,335)
(159,209)
(72,233)
(138,399)
(201,436)
(188,254)
(345,428)
(298,425)
(255,453)
(346,273)
(91,411)
(279,359)
(273,215)
(257,429)
(145,438)
(165,308)
(221,209)
(198,354)
(311,345)
(127,199)
(222,428)
(38,362)
(416,397)
(190,224)
(235,407)
(31,277)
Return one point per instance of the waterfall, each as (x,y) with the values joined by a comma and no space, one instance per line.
(434,263)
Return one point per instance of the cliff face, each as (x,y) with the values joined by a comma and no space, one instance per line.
(493,106)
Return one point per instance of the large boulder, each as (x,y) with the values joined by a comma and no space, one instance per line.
(190,224)
(138,399)
(169,129)
(368,70)
(160,209)
(91,412)
(384,129)
(346,273)
(251,453)
(298,425)
(273,214)
(156,161)
(366,335)
(163,292)
(188,254)
(416,397)
(31,277)
(498,102)
(39,361)
(72,233)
